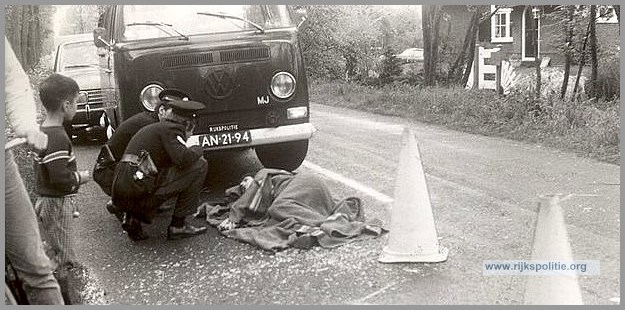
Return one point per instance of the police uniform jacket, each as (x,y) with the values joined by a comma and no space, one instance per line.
(165,143)
(127,129)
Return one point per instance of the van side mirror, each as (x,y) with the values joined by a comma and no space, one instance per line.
(302,20)
(300,15)
(100,37)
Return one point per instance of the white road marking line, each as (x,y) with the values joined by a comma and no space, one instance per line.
(349,182)
(376,292)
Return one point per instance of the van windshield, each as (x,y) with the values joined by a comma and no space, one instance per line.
(161,21)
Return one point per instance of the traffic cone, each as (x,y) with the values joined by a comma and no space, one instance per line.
(551,243)
(412,236)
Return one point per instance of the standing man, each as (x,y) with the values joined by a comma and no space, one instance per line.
(23,245)
(104,170)
(156,166)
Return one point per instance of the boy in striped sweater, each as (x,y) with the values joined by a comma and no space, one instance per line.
(57,177)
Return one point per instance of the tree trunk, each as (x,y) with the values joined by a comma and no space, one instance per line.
(455,75)
(32,37)
(431,26)
(568,29)
(537,61)
(592,37)
(470,55)
(24,37)
(427,37)
(582,57)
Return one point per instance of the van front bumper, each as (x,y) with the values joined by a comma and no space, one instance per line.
(260,136)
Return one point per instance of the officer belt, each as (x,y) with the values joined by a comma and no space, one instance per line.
(130,158)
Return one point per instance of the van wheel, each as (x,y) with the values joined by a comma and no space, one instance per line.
(287,155)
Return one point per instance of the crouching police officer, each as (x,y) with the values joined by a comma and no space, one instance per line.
(157,165)
(112,151)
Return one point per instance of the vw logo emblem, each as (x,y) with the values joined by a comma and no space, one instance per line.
(219,84)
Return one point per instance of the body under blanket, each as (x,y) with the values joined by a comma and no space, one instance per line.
(283,209)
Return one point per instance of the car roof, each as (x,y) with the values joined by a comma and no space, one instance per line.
(81,37)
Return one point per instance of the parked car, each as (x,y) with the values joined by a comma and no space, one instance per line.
(77,57)
(243,62)
(413,54)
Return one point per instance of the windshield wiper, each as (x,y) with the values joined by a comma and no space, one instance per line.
(80,66)
(160,25)
(227,16)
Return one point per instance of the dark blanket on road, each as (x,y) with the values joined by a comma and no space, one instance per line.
(283,209)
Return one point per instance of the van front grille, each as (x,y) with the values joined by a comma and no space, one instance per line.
(244,55)
(215,58)
(187,60)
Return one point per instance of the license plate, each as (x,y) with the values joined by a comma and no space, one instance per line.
(225,138)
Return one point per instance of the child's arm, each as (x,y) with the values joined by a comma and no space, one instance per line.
(60,165)
(85,176)
(60,175)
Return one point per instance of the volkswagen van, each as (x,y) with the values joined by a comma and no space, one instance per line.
(243,62)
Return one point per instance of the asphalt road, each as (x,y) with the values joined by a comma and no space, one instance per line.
(483,194)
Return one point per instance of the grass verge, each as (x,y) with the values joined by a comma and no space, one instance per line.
(588,128)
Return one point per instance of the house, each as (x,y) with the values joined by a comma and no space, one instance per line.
(522,32)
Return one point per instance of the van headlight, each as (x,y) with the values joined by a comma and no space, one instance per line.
(149,96)
(283,85)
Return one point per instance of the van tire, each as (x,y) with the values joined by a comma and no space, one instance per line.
(286,155)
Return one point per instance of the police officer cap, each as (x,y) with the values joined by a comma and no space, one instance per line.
(172,94)
(185,108)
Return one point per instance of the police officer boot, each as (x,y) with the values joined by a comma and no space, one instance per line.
(112,209)
(133,227)
(179,229)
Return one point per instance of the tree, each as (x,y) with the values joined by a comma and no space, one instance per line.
(431,20)
(390,66)
(568,46)
(28,29)
(592,37)
(80,18)
(318,41)
(582,56)
(537,58)
(460,69)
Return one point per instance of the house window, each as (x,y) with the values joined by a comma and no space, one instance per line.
(500,25)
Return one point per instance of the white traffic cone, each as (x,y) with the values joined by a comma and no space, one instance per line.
(551,243)
(412,237)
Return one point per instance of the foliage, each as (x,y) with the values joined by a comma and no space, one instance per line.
(609,81)
(29,30)
(578,24)
(390,66)
(589,128)
(345,41)
(431,22)
(80,18)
